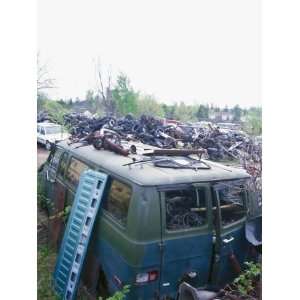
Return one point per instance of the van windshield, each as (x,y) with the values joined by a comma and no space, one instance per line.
(53,129)
(185,208)
(231,195)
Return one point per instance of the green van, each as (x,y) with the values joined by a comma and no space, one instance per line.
(162,222)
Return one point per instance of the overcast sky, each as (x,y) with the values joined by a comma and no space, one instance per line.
(202,51)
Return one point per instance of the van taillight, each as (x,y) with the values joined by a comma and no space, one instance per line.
(146,277)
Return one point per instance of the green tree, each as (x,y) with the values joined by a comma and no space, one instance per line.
(185,113)
(147,104)
(237,113)
(124,95)
(169,110)
(226,109)
(54,108)
(41,100)
(253,123)
(202,113)
(93,102)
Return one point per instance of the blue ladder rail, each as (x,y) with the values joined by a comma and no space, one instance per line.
(89,195)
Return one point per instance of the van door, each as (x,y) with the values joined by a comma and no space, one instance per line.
(229,218)
(187,237)
(56,193)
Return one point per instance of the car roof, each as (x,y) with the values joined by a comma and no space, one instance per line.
(148,174)
(46,124)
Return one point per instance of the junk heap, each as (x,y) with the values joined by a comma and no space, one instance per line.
(219,144)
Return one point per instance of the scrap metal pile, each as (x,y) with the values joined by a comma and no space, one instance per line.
(219,145)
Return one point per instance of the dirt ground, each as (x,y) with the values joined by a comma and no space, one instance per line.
(42,155)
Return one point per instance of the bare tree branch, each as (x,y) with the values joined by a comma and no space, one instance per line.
(43,80)
(104,89)
(101,88)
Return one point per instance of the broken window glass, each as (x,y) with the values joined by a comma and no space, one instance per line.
(185,209)
(232,201)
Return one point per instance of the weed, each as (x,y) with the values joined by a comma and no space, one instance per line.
(245,283)
(119,295)
(45,263)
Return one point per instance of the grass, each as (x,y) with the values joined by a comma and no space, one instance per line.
(45,265)
(46,258)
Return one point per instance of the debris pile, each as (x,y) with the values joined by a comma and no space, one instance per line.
(43,116)
(219,144)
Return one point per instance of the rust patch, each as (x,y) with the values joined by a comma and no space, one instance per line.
(56,220)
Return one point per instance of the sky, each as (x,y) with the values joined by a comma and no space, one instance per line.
(202,51)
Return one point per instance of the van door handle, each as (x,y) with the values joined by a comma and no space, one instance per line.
(226,241)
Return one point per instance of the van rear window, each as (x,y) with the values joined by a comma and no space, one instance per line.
(118,201)
(76,167)
(185,209)
(232,201)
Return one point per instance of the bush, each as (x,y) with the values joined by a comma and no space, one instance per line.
(246,282)
(119,295)
(55,109)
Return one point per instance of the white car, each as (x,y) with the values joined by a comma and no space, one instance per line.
(49,133)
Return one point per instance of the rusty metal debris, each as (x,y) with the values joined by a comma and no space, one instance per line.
(218,144)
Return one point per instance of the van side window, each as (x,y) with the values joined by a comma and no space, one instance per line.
(43,130)
(63,164)
(76,167)
(118,200)
(185,208)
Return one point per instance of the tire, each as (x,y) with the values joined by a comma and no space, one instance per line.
(98,144)
(48,145)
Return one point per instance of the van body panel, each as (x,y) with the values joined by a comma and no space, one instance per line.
(239,247)
(116,267)
(185,255)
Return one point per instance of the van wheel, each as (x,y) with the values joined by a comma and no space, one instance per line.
(102,286)
(48,146)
